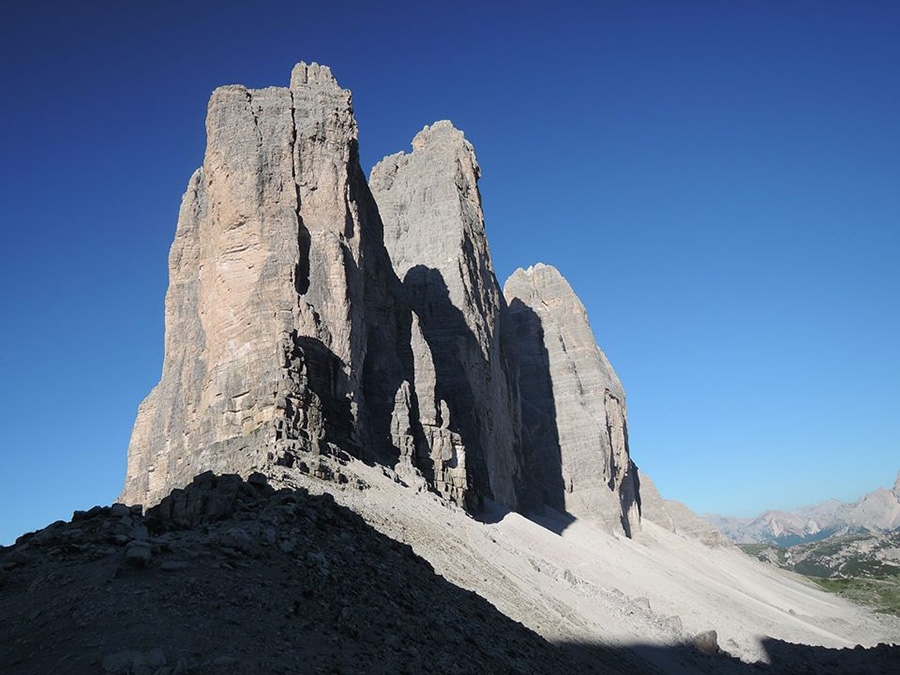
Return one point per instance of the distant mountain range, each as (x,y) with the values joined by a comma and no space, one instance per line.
(878,511)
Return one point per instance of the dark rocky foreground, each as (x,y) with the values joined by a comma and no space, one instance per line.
(228,576)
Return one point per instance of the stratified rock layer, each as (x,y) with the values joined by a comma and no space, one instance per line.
(574,418)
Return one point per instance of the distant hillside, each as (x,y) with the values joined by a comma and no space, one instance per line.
(876,512)
(864,568)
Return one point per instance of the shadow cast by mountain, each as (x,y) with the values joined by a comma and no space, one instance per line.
(457,359)
(388,356)
(233,576)
(782,658)
(545,482)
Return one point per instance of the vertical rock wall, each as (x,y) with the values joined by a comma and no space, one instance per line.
(265,327)
(308,314)
(434,233)
(574,419)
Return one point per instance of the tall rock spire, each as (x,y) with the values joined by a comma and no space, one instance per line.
(434,233)
(308,312)
(574,419)
(265,334)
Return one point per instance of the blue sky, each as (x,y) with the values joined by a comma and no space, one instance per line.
(717,180)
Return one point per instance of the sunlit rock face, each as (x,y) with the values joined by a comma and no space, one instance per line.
(574,418)
(310,312)
(266,313)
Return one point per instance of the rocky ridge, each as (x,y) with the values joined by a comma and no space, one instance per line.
(311,312)
(874,513)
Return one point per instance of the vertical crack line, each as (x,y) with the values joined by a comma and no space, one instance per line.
(301,268)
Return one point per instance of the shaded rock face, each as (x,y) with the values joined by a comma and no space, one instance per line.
(574,419)
(434,232)
(653,506)
(311,312)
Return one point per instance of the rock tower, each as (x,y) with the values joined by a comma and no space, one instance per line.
(311,311)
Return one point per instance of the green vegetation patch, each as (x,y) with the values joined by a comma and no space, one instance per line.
(882,594)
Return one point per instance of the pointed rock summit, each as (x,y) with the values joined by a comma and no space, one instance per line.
(434,232)
(311,312)
(574,416)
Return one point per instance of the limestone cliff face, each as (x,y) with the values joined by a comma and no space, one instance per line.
(308,313)
(266,331)
(434,232)
(288,329)
(574,418)
(653,506)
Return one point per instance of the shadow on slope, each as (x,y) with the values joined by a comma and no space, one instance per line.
(784,658)
(232,576)
(228,576)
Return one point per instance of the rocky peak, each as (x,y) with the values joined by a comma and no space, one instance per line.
(265,322)
(434,232)
(896,489)
(443,172)
(575,429)
(311,312)
(311,75)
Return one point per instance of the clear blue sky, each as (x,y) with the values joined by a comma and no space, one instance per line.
(719,181)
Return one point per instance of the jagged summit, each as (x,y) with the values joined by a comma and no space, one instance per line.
(434,232)
(445,133)
(311,74)
(313,312)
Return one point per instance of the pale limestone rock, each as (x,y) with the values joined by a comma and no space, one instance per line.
(287,329)
(574,419)
(653,507)
(267,306)
(303,317)
(691,525)
(434,232)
